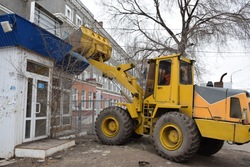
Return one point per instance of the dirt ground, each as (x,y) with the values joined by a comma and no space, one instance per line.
(89,152)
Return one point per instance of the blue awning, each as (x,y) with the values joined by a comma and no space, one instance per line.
(32,37)
(73,63)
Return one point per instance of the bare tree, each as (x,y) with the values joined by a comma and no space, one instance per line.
(180,26)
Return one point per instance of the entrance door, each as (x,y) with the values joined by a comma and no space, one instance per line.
(37,106)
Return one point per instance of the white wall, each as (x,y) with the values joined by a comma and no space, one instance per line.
(13,92)
(12,95)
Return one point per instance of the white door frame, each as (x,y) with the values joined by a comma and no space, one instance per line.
(34,105)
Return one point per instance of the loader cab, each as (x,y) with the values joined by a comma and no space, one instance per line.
(170,81)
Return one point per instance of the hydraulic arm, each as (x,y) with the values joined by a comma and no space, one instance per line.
(97,50)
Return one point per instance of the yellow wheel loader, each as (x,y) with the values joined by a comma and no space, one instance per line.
(184,119)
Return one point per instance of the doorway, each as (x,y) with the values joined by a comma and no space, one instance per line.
(37,102)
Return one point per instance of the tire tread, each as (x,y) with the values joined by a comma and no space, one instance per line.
(126,126)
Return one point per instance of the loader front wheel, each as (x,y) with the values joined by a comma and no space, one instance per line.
(176,137)
(210,146)
(113,126)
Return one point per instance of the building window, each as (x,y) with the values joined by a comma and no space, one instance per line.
(90,100)
(78,20)
(66,100)
(95,76)
(37,68)
(69,13)
(100,80)
(78,77)
(114,87)
(65,34)
(74,99)
(67,84)
(86,74)
(82,76)
(47,21)
(110,85)
(105,84)
(83,99)
(115,101)
(56,106)
(61,111)
(106,103)
(66,117)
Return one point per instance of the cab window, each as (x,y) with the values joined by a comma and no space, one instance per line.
(185,73)
(164,75)
(150,79)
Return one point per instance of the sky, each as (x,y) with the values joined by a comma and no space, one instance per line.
(235,60)
(94,7)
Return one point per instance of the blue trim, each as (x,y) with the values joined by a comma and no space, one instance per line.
(32,37)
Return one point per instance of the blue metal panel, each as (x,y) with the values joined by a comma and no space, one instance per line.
(32,37)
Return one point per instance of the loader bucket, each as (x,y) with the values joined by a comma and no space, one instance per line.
(90,44)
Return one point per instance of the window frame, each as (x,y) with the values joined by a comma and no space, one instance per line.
(70,14)
(83,99)
(62,114)
(78,18)
(186,76)
(74,98)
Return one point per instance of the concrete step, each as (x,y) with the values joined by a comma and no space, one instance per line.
(42,148)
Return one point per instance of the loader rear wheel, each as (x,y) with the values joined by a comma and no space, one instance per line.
(210,146)
(176,137)
(113,126)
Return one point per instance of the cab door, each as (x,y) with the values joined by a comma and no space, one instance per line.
(163,84)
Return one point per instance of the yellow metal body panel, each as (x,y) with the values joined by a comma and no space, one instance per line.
(199,101)
(186,99)
(216,129)
(242,133)
(235,132)
(163,93)
(201,108)
(202,112)
(175,81)
(132,110)
(219,110)
(164,57)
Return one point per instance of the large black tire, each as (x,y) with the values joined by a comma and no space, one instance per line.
(113,126)
(176,137)
(210,146)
